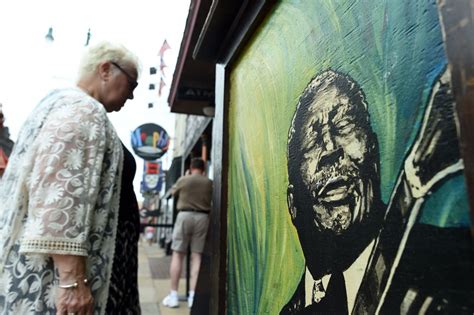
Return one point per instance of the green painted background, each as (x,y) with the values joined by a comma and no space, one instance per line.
(394,51)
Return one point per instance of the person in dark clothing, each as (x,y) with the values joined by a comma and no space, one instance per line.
(123,291)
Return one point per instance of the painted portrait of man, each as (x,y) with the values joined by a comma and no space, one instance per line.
(335,202)
(346,187)
(334,183)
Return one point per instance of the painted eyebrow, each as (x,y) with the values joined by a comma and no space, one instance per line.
(316,125)
(355,111)
(335,112)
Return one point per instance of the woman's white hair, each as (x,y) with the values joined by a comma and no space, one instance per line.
(106,51)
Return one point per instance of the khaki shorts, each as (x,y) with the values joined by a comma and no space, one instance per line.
(190,227)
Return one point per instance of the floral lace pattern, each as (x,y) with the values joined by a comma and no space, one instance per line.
(59,195)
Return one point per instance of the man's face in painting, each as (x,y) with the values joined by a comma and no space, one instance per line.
(335,152)
(336,157)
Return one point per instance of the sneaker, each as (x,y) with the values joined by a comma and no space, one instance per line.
(190,301)
(170,301)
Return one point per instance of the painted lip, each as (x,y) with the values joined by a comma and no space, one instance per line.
(335,190)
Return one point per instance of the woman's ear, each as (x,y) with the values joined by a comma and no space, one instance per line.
(104,70)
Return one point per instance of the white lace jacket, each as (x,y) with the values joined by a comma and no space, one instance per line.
(59,195)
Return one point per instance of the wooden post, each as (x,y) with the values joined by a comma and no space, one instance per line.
(457,21)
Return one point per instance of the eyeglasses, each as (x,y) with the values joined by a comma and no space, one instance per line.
(131,81)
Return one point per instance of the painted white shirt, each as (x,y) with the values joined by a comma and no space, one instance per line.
(59,195)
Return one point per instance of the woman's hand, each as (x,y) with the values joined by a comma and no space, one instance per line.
(75,300)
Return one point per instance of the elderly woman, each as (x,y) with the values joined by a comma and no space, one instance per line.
(68,219)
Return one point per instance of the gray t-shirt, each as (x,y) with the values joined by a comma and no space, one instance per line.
(193,192)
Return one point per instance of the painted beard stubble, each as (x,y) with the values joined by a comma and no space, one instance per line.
(342,195)
(334,196)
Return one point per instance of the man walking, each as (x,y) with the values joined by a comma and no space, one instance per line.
(194,194)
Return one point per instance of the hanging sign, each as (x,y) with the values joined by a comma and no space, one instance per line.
(152,177)
(150,141)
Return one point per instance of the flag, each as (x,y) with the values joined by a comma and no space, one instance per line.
(162,66)
(162,84)
(164,48)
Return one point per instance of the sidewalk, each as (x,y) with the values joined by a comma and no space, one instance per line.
(154,281)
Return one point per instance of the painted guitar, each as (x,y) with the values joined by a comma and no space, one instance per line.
(434,156)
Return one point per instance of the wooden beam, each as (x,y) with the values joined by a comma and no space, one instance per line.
(457,20)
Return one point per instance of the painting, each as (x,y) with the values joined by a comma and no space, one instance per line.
(346,185)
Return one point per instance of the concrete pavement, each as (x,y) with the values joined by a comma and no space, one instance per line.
(154,281)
